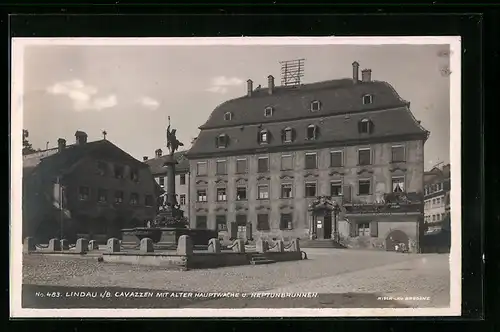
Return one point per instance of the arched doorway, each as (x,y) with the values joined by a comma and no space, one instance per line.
(323,222)
(395,238)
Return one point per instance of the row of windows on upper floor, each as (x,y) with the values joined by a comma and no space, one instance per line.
(161,180)
(84,194)
(118,171)
(310,162)
(434,217)
(435,202)
(432,188)
(315,106)
(287,190)
(289,135)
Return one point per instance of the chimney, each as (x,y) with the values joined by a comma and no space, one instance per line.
(366,75)
(145,158)
(61,144)
(355,71)
(81,137)
(158,153)
(249,88)
(270,84)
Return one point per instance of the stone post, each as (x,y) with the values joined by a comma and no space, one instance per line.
(82,246)
(248,233)
(147,245)
(29,244)
(93,245)
(54,245)
(280,246)
(64,244)
(239,246)
(185,246)
(295,245)
(262,246)
(113,245)
(233,231)
(214,246)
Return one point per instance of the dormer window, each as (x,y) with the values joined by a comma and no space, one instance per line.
(312,132)
(315,106)
(268,112)
(288,134)
(221,141)
(367,99)
(228,116)
(264,136)
(365,126)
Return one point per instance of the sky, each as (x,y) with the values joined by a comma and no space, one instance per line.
(129,91)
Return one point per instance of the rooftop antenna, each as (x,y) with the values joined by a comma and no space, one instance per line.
(291,72)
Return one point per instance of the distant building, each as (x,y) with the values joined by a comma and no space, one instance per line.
(437,187)
(265,157)
(182,179)
(89,189)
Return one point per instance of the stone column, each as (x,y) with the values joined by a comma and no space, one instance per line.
(170,165)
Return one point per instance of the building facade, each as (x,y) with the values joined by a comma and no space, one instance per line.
(91,189)
(182,178)
(264,158)
(437,189)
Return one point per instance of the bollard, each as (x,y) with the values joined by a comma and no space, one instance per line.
(147,245)
(64,244)
(239,245)
(93,245)
(54,245)
(295,245)
(262,246)
(280,246)
(29,244)
(185,246)
(82,246)
(113,245)
(214,246)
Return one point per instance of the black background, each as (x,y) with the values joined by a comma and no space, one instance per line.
(476,25)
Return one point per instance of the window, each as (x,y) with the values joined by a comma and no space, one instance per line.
(315,106)
(263,165)
(310,189)
(268,112)
(438,217)
(221,141)
(286,221)
(221,223)
(182,199)
(398,184)
(161,181)
(364,229)
(148,200)
(83,193)
(312,132)
(119,197)
(221,167)
(336,159)
(201,222)
(433,201)
(263,222)
(102,195)
(336,188)
(134,175)
(367,99)
(438,186)
(364,157)
(286,190)
(221,195)
(438,200)
(433,217)
(201,195)
(134,198)
(241,193)
(364,187)
(182,179)
(101,168)
(228,116)
(311,161)
(201,168)
(263,190)
(287,135)
(398,153)
(286,162)
(263,137)
(241,166)
(119,171)
(365,126)
(241,222)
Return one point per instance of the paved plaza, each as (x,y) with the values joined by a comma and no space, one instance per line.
(351,278)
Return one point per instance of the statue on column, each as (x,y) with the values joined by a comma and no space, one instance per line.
(173,143)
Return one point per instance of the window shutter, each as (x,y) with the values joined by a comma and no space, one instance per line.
(316,132)
(226,137)
(374,229)
(370,127)
(294,134)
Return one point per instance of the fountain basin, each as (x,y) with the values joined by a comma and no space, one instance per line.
(166,237)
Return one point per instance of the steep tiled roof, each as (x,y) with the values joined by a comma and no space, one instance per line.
(156,164)
(335,96)
(335,129)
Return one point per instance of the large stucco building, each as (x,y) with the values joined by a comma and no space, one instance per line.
(265,157)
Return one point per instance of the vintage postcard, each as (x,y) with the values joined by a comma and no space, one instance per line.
(223,177)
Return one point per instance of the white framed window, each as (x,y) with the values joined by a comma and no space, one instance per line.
(221,167)
(241,166)
(398,184)
(228,116)
(182,199)
(222,141)
(268,112)
(310,189)
(364,229)
(311,160)
(241,193)
(367,99)
(286,162)
(263,190)
(336,188)
(364,186)
(312,132)
(365,126)
(364,156)
(398,153)
(286,190)
(221,195)
(315,106)
(263,137)
(288,135)
(336,158)
(263,164)
(201,168)
(201,195)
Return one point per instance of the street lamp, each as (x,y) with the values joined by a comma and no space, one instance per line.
(336,210)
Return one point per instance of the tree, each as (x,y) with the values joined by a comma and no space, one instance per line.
(27,147)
